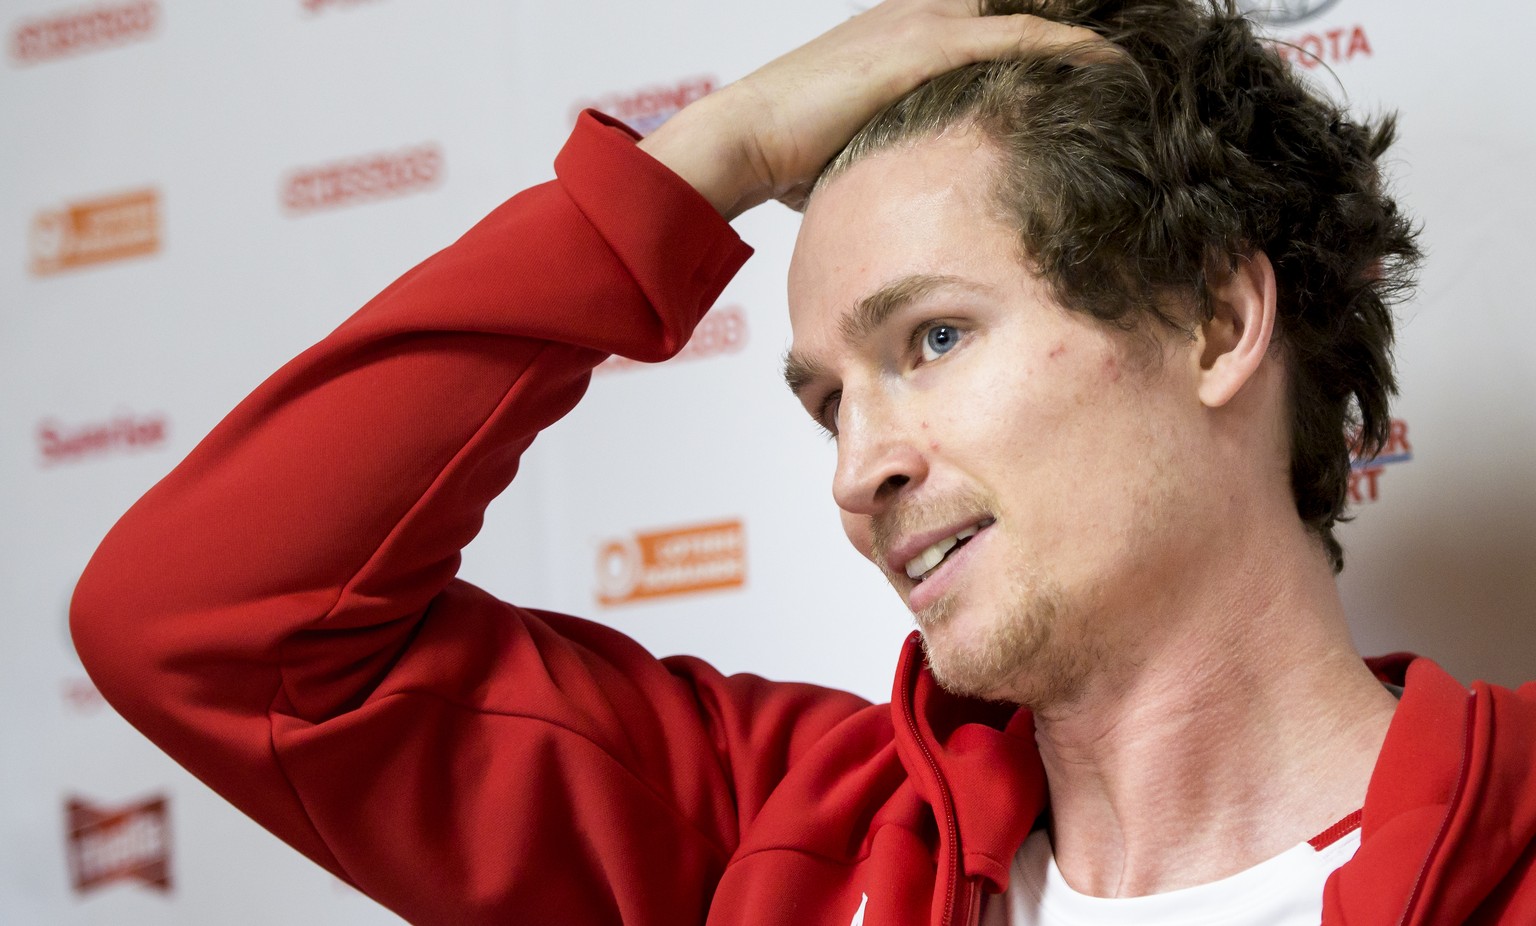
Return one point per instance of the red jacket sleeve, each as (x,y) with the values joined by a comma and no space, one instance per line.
(280,613)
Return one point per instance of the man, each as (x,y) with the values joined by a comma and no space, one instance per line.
(1135,704)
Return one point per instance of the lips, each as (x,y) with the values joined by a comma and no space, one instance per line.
(919,566)
(921,554)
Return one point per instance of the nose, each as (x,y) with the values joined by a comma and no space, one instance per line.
(877,458)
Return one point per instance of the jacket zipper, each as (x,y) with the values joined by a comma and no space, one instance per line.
(1414,895)
(973,902)
(952,875)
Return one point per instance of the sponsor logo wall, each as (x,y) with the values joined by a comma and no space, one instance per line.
(1333,47)
(1304,38)
(110,845)
(125,433)
(357,180)
(675,561)
(184,219)
(1365,474)
(723,331)
(645,108)
(96,231)
(83,30)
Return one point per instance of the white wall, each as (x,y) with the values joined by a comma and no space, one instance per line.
(111,370)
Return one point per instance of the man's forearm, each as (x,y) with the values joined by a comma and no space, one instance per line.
(282,568)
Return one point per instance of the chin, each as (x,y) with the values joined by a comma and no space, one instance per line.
(1015,654)
(983,656)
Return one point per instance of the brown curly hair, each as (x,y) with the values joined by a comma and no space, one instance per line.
(1130,179)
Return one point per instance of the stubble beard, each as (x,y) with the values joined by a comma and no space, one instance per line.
(1020,655)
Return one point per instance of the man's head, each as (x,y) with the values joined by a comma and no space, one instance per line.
(1131,196)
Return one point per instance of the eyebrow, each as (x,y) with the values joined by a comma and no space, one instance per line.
(867,317)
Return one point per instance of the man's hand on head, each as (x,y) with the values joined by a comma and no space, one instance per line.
(768,135)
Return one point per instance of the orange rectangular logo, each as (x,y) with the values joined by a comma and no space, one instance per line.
(96,231)
(678,561)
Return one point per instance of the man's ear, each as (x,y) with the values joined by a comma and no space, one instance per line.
(1236,339)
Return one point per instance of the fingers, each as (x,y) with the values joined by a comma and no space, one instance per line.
(769,134)
(1023,36)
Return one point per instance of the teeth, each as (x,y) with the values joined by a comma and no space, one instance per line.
(930,557)
(923,562)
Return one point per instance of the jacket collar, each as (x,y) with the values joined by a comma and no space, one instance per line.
(1450,808)
(975,762)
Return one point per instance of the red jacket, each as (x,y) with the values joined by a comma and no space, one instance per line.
(280,614)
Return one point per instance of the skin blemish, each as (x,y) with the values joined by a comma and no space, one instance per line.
(1112,369)
(933,445)
(1057,351)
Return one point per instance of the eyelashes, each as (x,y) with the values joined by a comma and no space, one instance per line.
(927,343)
(937,337)
(826,414)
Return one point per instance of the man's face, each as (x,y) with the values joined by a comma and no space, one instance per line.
(1032,448)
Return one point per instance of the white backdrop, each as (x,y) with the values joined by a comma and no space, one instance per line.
(192,192)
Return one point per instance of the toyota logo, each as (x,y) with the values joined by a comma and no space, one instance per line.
(1284,12)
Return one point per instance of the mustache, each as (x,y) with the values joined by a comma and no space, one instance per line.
(914,516)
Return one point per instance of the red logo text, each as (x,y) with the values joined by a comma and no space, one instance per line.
(723,331)
(647,108)
(61,443)
(128,844)
(83,30)
(1330,47)
(1365,475)
(364,179)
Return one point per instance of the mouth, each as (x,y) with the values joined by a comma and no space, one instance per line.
(927,561)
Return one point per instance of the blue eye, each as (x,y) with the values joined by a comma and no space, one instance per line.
(938,340)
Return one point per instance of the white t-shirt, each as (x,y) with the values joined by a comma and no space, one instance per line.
(1286,890)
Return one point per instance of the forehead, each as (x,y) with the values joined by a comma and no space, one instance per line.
(919,210)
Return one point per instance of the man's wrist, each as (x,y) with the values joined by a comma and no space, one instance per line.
(700,145)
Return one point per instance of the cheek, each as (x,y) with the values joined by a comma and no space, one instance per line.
(857,527)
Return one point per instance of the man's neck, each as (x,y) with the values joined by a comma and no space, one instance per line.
(1248,727)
